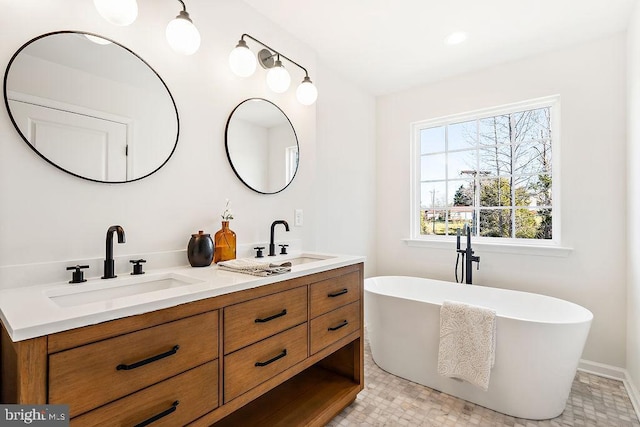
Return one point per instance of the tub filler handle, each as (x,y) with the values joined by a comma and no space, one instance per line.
(341,325)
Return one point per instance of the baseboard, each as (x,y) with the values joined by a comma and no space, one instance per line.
(634,394)
(616,373)
(602,370)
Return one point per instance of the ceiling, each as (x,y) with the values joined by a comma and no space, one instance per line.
(389,45)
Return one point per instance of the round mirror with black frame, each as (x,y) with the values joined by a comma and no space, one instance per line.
(91,107)
(262,146)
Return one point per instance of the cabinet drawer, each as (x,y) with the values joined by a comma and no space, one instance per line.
(196,392)
(89,376)
(330,294)
(257,363)
(251,321)
(330,327)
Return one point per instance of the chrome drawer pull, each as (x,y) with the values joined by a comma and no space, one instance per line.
(337,294)
(341,325)
(275,316)
(268,362)
(123,367)
(162,414)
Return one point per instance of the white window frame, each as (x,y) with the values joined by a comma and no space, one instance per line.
(552,246)
(291,162)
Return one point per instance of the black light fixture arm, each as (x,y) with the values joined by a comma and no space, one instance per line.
(275,52)
(183,13)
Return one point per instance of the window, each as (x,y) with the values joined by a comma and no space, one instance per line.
(291,162)
(490,170)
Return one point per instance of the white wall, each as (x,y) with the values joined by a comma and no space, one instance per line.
(248,155)
(346,157)
(590,79)
(633,206)
(47,215)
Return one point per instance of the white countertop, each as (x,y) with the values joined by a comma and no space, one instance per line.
(29,312)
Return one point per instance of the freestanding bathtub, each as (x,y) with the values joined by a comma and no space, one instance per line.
(539,341)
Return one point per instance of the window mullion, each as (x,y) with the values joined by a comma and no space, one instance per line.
(476,185)
(512,211)
(446,180)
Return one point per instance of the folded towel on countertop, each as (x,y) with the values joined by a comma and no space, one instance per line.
(255,268)
(467,342)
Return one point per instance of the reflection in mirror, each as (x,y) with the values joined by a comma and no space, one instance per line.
(262,146)
(91,107)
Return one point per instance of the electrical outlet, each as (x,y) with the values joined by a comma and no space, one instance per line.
(297,221)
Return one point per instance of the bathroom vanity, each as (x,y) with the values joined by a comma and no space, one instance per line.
(235,350)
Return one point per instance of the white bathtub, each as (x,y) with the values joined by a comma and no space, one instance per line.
(539,341)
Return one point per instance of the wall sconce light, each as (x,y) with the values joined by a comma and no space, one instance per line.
(243,63)
(182,35)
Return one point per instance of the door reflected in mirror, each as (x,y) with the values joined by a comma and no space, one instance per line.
(262,146)
(91,107)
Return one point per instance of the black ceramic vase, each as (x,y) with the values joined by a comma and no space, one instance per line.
(200,250)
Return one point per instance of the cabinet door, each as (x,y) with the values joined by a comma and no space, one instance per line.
(259,362)
(332,293)
(91,375)
(330,327)
(195,391)
(251,321)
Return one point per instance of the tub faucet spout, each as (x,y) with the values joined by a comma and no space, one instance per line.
(109,267)
(468,257)
(272,246)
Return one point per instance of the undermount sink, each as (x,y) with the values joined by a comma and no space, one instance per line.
(304,259)
(117,288)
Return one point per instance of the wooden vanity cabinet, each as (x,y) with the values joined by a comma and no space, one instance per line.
(288,353)
(98,373)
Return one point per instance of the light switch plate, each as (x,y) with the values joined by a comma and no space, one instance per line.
(298,218)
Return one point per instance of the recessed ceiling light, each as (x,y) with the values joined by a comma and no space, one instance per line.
(456,38)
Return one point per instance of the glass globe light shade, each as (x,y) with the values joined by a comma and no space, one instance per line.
(242,61)
(117,12)
(278,78)
(307,93)
(182,35)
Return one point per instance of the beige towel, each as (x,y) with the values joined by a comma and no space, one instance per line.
(467,342)
(255,268)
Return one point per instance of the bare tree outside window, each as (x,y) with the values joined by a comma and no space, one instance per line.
(492,173)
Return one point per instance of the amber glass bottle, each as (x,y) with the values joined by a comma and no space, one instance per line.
(225,244)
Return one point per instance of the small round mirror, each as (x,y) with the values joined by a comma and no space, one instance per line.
(91,107)
(262,146)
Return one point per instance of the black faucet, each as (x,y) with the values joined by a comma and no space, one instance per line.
(467,257)
(109,268)
(272,246)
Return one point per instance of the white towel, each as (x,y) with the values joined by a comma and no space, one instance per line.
(255,268)
(467,342)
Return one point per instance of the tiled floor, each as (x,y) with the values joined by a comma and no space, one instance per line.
(388,400)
